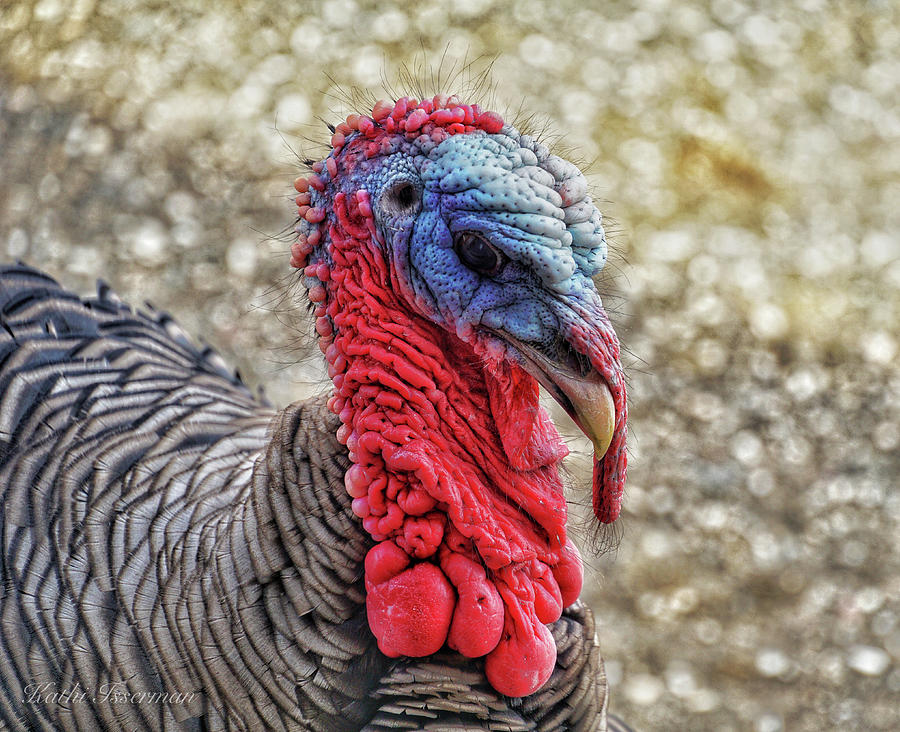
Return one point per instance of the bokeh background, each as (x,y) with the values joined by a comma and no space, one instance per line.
(747,156)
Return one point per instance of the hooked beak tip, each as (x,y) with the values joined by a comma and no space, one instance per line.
(587,398)
(593,407)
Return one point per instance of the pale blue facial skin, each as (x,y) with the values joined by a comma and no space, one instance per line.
(530,205)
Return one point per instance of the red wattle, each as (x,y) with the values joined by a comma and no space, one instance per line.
(547,597)
(478,618)
(569,574)
(384,562)
(523,659)
(527,434)
(409,615)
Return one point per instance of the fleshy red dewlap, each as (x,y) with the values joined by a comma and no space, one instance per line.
(454,463)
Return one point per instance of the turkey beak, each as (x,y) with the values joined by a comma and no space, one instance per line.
(589,402)
(586,399)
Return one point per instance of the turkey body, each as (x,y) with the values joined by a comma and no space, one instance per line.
(178,555)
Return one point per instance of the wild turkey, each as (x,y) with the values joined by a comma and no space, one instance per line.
(179,555)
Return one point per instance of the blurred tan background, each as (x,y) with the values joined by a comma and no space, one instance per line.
(747,155)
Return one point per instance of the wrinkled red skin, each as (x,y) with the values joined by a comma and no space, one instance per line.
(524,658)
(478,621)
(409,608)
(569,574)
(455,464)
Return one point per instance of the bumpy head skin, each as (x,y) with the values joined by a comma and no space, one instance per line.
(451,261)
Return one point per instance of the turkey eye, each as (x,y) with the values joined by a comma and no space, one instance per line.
(400,200)
(477,253)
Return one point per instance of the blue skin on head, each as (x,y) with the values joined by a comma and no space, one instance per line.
(530,206)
